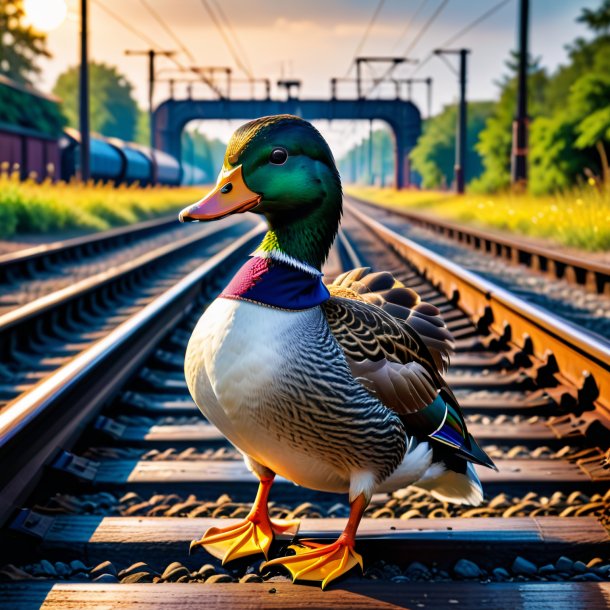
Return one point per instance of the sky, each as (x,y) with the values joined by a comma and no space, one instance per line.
(315,40)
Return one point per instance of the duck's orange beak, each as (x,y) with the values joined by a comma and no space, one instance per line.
(229,196)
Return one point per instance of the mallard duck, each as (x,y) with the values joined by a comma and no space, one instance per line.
(337,388)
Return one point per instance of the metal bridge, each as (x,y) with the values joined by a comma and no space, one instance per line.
(403,117)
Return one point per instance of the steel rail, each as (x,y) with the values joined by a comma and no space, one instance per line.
(578,355)
(52,414)
(593,276)
(45,304)
(36,258)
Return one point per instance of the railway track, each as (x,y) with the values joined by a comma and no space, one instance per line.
(593,276)
(109,470)
(94,294)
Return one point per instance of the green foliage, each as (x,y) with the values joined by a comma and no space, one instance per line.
(143,128)
(578,217)
(20,45)
(572,140)
(495,141)
(598,19)
(589,102)
(29,207)
(24,109)
(114,112)
(354,165)
(434,155)
(202,152)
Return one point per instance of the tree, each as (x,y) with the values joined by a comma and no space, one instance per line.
(114,112)
(589,102)
(434,155)
(143,128)
(495,142)
(20,45)
(598,19)
(205,154)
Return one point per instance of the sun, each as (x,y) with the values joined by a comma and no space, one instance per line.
(45,15)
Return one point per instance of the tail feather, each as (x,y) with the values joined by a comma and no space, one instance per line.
(451,486)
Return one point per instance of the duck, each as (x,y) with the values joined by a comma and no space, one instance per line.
(336,387)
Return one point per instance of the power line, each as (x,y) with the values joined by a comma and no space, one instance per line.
(168,30)
(488,13)
(367,31)
(439,9)
(151,43)
(410,23)
(229,26)
(126,25)
(157,17)
(226,39)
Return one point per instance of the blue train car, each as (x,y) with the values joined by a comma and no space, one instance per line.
(113,160)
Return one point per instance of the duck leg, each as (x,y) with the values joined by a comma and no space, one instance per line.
(251,536)
(325,562)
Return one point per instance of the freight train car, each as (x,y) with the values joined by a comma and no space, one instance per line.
(112,160)
(29,124)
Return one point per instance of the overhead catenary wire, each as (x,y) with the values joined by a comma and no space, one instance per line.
(439,9)
(488,13)
(236,40)
(365,35)
(163,23)
(236,58)
(151,43)
(410,23)
(433,17)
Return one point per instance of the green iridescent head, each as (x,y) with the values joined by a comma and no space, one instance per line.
(280,167)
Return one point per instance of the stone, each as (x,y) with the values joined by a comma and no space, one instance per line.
(174,571)
(417,568)
(500,575)
(587,577)
(564,564)
(547,569)
(78,566)
(579,567)
(219,578)
(137,577)
(250,578)
(206,570)
(47,568)
(106,578)
(467,569)
(524,567)
(106,567)
(63,569)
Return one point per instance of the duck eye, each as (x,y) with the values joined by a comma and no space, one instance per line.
(278,156)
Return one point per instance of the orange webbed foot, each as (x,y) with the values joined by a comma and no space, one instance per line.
(248,537)
(319,562)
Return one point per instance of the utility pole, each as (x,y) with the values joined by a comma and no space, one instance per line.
(151,54)
(83,95)
(460,139)
(520,124)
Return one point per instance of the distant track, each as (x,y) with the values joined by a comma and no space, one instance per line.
(593,276)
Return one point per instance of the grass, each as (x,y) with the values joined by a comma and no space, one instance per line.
(579,218)
(29,207)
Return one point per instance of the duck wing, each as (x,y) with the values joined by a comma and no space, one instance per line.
(391,295)
(390,358)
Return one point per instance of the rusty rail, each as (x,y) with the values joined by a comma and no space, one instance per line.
(593,276)
(567,353)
